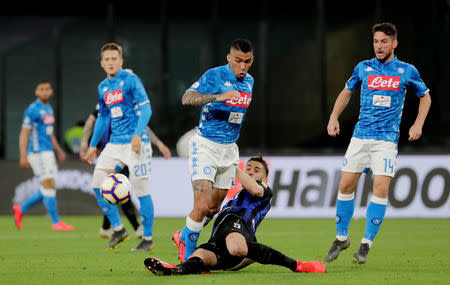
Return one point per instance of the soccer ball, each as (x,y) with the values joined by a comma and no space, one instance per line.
(116,189)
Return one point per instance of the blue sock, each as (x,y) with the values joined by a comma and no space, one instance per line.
(345,207)
(374,216)
(109,210)
(35,198)
(190,234)
(52,208)
(147,212)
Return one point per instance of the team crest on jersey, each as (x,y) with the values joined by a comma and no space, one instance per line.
(121,83)
(49,119)
(400,70)
(113,97)
(241,101)
(382,82)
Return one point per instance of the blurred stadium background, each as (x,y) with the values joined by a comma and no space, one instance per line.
(304,55)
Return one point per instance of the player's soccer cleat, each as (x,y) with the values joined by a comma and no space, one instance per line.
(61,226)
(161,268)
(105,233)
(311,267)
(144,245)
(180,244)
(117,237)
(139,232)
(360,256)
(18,215)
(336,248)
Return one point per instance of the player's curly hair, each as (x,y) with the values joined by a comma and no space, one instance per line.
(387,28)
(261,160)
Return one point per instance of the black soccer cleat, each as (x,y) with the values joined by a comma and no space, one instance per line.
(117,237)
(144,245)
(360,256)
(161,268)
(336,248)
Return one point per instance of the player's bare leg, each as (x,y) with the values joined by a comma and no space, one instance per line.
(344,212)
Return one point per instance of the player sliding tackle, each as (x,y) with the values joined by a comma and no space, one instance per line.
(233,244)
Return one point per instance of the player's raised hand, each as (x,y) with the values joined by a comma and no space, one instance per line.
(415,132)
(333,127)
(90,155)
(136,144)
(23,162)
(228,95)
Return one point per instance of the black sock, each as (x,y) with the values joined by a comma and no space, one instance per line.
(130,211)
(266,255)
(106,223)
(194,265)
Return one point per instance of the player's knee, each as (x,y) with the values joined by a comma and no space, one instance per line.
(346,187)
(98,177)
(238,250)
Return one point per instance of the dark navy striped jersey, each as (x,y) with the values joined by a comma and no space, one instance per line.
(250,209)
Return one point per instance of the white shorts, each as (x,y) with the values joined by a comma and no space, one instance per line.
(43,164)
(378,155)
(116,156)
(213,161)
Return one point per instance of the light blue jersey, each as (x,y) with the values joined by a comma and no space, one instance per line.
(221,122)
(117,98)
(383,89)
(39,117)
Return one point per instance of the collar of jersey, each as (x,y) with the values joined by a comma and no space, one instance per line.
(119,74)
(386,63)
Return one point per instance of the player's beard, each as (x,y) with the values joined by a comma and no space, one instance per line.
(383,60)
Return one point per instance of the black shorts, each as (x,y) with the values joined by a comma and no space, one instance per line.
(231,223)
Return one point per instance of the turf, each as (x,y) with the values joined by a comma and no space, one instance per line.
(406,251)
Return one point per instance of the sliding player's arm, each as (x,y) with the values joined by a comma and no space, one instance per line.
(249,183)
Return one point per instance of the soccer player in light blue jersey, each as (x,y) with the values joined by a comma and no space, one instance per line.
(129,143)
(36,144)
(225,93)
(383,81)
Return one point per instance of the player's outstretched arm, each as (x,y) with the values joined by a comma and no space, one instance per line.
(161,146)
(249,183)
(23,145)
(194,98)
(415,132)
(87,132)
(342,100)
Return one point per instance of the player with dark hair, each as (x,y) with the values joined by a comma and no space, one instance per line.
(36,144)
(233,244)
(383,81)
(225,93)
(124,101)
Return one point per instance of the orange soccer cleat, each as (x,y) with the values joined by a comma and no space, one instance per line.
(61,226)
(18,216)
(180,244)
(311,267)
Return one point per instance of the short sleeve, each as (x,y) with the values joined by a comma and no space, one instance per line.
(354,81)
(138,90)
(416,82)
(28,118)
(206,84)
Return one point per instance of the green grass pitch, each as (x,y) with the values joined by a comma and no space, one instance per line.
(406,251)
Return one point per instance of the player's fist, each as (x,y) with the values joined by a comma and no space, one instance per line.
(136,144)
(232,94)
(333,127)
(90,155)
(415,132)
(23,162)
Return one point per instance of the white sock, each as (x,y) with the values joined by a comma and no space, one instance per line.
(193,225)
(118,228)
(147,238)
(368,241)
(346,197)
(341,238)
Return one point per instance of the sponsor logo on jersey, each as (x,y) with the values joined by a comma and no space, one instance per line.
(228,84)
(49,119)
(113,97)
(368,69)
(381,82)
(241,101)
